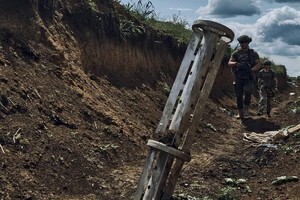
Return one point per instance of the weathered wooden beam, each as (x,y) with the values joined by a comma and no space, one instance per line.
(178,83)
(190,134)
(192,85)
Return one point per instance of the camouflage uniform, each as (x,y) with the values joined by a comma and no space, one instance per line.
(267,85)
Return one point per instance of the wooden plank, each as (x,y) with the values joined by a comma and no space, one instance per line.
(204,95)
(145,176)
(294,129)
(156,178)
(199,83)
(190,95)
(178,83)
(170,150)
(167,114)
(182,116)
(188,140)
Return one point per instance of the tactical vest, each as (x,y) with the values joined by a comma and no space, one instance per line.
(267,79)
(247,60)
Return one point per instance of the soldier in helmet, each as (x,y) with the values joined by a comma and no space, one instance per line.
(244,62)
(267,83)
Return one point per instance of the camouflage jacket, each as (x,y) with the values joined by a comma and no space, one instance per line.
(267,78)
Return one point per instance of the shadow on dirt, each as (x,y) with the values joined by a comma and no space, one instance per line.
(259,125)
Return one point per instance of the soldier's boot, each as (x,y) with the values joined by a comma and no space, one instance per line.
(246,111)
(240,115)
(269,112)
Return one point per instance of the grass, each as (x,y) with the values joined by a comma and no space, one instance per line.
(92,5)
(279,69)
(176,30)
(145,12)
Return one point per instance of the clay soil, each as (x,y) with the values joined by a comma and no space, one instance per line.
(68,134)
(59,142)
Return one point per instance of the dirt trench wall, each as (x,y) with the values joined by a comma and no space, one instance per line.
(106,51)
(90,38)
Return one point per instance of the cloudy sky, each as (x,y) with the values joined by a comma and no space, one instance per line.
(274,25)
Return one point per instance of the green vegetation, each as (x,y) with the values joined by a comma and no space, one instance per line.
(107,147)
(92,5)
(141,11)
(293,79)
(279,69)
(145,12)
(177,27)
(166,89)
(129,29)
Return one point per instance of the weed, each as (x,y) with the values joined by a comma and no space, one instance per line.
(128,7)
(107,147)
(296,110)
(291,149)
(128,29)
(177,30)
(143,11)
(92,5)
(166,89)
(177,19)
(296,135)
(176,27)
(227,193)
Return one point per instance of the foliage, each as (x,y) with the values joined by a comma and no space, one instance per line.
(140,10)
(128,29)
(166,89)
(296,135)
(107,147)
(227,193)
(92,4)
(128,7)
(279,69)
(176,27)
(296,110)
(178,30)
(293,79)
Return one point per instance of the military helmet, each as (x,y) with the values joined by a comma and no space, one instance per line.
(267,62)
(244,38)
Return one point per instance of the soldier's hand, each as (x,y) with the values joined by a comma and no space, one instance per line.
(238,64)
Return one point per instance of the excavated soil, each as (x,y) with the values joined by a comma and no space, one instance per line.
(67,133)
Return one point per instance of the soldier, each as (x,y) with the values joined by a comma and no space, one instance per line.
(244,62)
(267,83)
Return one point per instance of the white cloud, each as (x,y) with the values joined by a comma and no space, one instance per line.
(281,23)
(181,9)
(230,8)
(286,1)
(276,35)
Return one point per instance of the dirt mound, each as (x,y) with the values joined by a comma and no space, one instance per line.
(73,127)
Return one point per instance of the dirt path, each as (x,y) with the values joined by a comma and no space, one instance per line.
(224,153)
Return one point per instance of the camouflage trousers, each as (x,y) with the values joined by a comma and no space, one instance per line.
(265,97)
